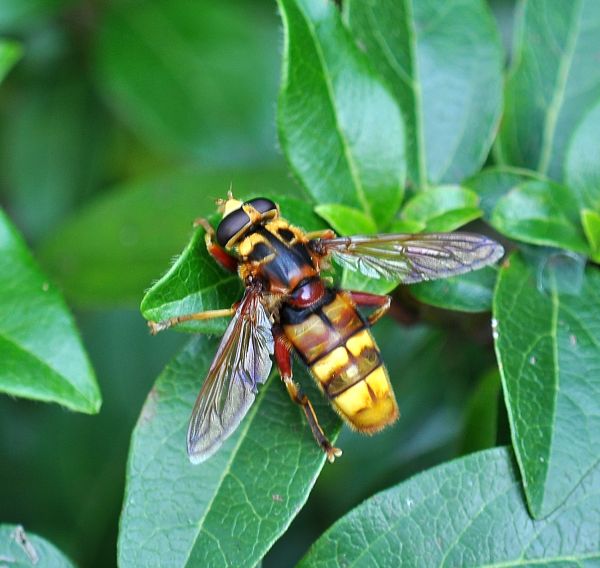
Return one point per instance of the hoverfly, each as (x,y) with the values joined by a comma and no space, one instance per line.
(288,308)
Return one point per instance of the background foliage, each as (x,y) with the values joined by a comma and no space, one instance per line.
(122,121)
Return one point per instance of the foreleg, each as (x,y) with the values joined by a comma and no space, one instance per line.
(226,260)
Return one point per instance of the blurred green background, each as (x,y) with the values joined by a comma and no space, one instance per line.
(119,118)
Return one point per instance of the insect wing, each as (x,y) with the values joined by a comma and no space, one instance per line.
(413,257)
(242,363)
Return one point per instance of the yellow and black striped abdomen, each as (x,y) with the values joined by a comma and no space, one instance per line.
(339,349)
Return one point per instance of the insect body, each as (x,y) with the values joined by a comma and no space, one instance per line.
(287,308)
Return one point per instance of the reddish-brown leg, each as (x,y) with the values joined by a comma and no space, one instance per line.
(227,261)
(366,300)
(283,359)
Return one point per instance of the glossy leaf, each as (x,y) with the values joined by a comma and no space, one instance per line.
(174,71)
(346,220)
(469,512)
(471,292)
(591,227)
(10,52)
(493,183)
(113,249)
(41,355)
(540,213)
(19,549)
(230,509)
(548,348)
(554,81)
(444,64)
(339,126)
(582,167)
(443,209)
(196,283)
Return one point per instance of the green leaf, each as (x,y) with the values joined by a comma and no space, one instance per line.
(591,227)
(548,348)
(359,282)
(196,283)
(346,220)
(174,73)
(230,509)
(468,512)
(339,126)
(493,183)
(471,292)
(443,208)
(23,550)
(114,248)
(58,125)
(41,356)
(481,415)
(554,81)
(406,226)
(582,167)
(10,53)
(444,63)
(540,213)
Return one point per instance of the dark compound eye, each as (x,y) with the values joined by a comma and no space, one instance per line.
(231,225)
(262,205)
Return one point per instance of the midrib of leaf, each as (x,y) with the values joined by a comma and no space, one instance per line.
(564,69)
(347,154)
(400,519)
(543,561)
(244,429)
(416,85)
(554,336)
(468,525)
(45,364)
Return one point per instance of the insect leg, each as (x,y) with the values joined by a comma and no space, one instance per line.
(155,327)
(364,299)
(227,261)
(283,358)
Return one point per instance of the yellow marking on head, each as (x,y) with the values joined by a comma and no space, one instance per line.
(335,361)
(360,341)
(230,206)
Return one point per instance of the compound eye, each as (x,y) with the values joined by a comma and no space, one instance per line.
(231,226)
(262,205)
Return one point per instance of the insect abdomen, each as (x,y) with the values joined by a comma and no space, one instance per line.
(339,349)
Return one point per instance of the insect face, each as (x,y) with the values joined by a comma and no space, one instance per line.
(238,217)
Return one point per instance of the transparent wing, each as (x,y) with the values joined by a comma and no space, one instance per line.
(412,258)
(242,363)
